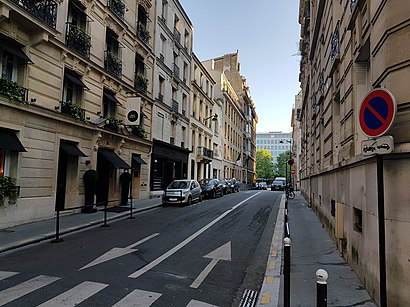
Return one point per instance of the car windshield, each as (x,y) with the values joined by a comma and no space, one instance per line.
(278,182)
(184,184)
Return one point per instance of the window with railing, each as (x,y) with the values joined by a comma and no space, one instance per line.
(44,10)
(142,28)
(117,7)
(112,60)
(176,70)
(335,42)
(175,106)
(78,40)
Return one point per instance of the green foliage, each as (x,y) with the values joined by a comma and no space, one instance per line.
(281,165)
(11,89)
(264,165)
(139,131)
(114,122)
(8,189)
(76,111)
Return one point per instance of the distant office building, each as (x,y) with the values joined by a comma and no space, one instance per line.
(275,142)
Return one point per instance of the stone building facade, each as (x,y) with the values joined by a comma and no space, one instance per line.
(72,71)
(349,48)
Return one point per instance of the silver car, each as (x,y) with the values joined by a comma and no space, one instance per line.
(183,191)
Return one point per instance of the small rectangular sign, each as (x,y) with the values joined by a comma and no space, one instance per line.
(382,145)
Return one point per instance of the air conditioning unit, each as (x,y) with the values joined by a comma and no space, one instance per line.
(133,116)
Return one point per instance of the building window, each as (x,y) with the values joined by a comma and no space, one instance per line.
(76,36)
(357,220)
(161,89)
(112,60)
(72,95)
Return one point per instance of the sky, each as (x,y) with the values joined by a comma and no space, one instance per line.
(266,33)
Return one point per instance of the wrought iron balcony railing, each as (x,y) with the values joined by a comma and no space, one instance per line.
(175,106)
(335,42)
(176,70)
(117,7)
(143,33)
(204,152)
(141,83)
(77,39)
(45,10)
(13,90)
(113,64)
(72,109)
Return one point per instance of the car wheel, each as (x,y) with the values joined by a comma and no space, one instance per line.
(200,198)
(189,202)
(213,195)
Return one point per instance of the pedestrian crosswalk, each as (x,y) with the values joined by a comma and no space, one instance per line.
(78,293)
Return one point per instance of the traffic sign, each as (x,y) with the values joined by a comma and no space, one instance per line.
(381,145)
(293,172)
(291,161)
(377,112)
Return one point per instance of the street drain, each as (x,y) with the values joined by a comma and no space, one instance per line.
(249,298)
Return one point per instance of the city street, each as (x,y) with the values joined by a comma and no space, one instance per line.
(207,254)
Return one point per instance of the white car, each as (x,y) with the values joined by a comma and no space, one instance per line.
(183,191)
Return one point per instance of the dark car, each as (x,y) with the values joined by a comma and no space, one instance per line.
(278,185)
(226,188)
(233,184)
(211,188)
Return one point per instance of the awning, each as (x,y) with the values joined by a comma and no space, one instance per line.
(74,79)
(111,98)
(72,150)
(138,160)
(15,50)
(9,141)
(113,158)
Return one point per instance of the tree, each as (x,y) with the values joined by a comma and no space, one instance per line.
(281,165)
(264,165)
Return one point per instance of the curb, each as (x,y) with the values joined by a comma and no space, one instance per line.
(269,293)
(51,235)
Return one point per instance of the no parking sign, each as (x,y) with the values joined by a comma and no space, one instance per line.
(377,112)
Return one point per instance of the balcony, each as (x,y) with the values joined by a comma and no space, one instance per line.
(143,33)
(176,70)
(73,110)
(113,64)
(175,106)
(78,40)
(204,153)
(44,10)
(117,7)
(141,83)
(12,90)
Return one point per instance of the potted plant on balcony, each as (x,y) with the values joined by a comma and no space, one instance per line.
(8,190)
(139,131)
(113,122)
(143,33)
(11,89)
(141,83)
(76,111)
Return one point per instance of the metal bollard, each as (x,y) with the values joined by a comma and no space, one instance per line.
(286,272)
(321,283)
(57,239)
(105,216)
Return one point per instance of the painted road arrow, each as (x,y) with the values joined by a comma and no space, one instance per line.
(221,253)
(118,252)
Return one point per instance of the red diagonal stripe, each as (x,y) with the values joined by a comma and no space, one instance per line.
(375,113)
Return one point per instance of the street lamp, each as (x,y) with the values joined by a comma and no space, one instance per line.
(214,118)
(289,161)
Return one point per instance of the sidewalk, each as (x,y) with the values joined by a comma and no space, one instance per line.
(18,236)
(312,249)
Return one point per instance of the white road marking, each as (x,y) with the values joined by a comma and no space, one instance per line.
(221,253)
(173,250)
(13,293)
(118,252)
(6,274)
(194,303)
(75,295)
(138,298)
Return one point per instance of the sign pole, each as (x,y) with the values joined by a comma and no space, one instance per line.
(382,231)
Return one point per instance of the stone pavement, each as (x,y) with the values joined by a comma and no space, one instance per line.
(311,249)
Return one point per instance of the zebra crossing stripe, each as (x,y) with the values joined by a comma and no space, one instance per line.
(13,293)
(138,298)
(5,274)
(75,295)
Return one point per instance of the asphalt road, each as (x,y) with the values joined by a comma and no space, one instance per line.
(207,254)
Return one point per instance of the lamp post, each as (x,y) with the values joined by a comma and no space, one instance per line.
(289,161)
(214,118)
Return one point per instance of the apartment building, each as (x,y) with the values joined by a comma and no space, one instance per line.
(239,118)
(276,142)
(205,117)
(348,49)
(170,117)
(75,95)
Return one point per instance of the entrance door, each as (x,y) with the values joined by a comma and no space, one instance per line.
(61,179)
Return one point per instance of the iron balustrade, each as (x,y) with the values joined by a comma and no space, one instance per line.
(72,109)
(335,43)
(205,152)
(113,64)
(143,33)
(175,106)
(176,70)
(117,7)
(77,39)
(141,83)
(13,90)
(44,10)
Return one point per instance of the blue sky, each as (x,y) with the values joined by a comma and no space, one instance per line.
(266,33)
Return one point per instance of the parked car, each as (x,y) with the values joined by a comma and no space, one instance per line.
(262,186)
(278,185)
(183,191)
(234,185)
(226,188)
(211,188)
